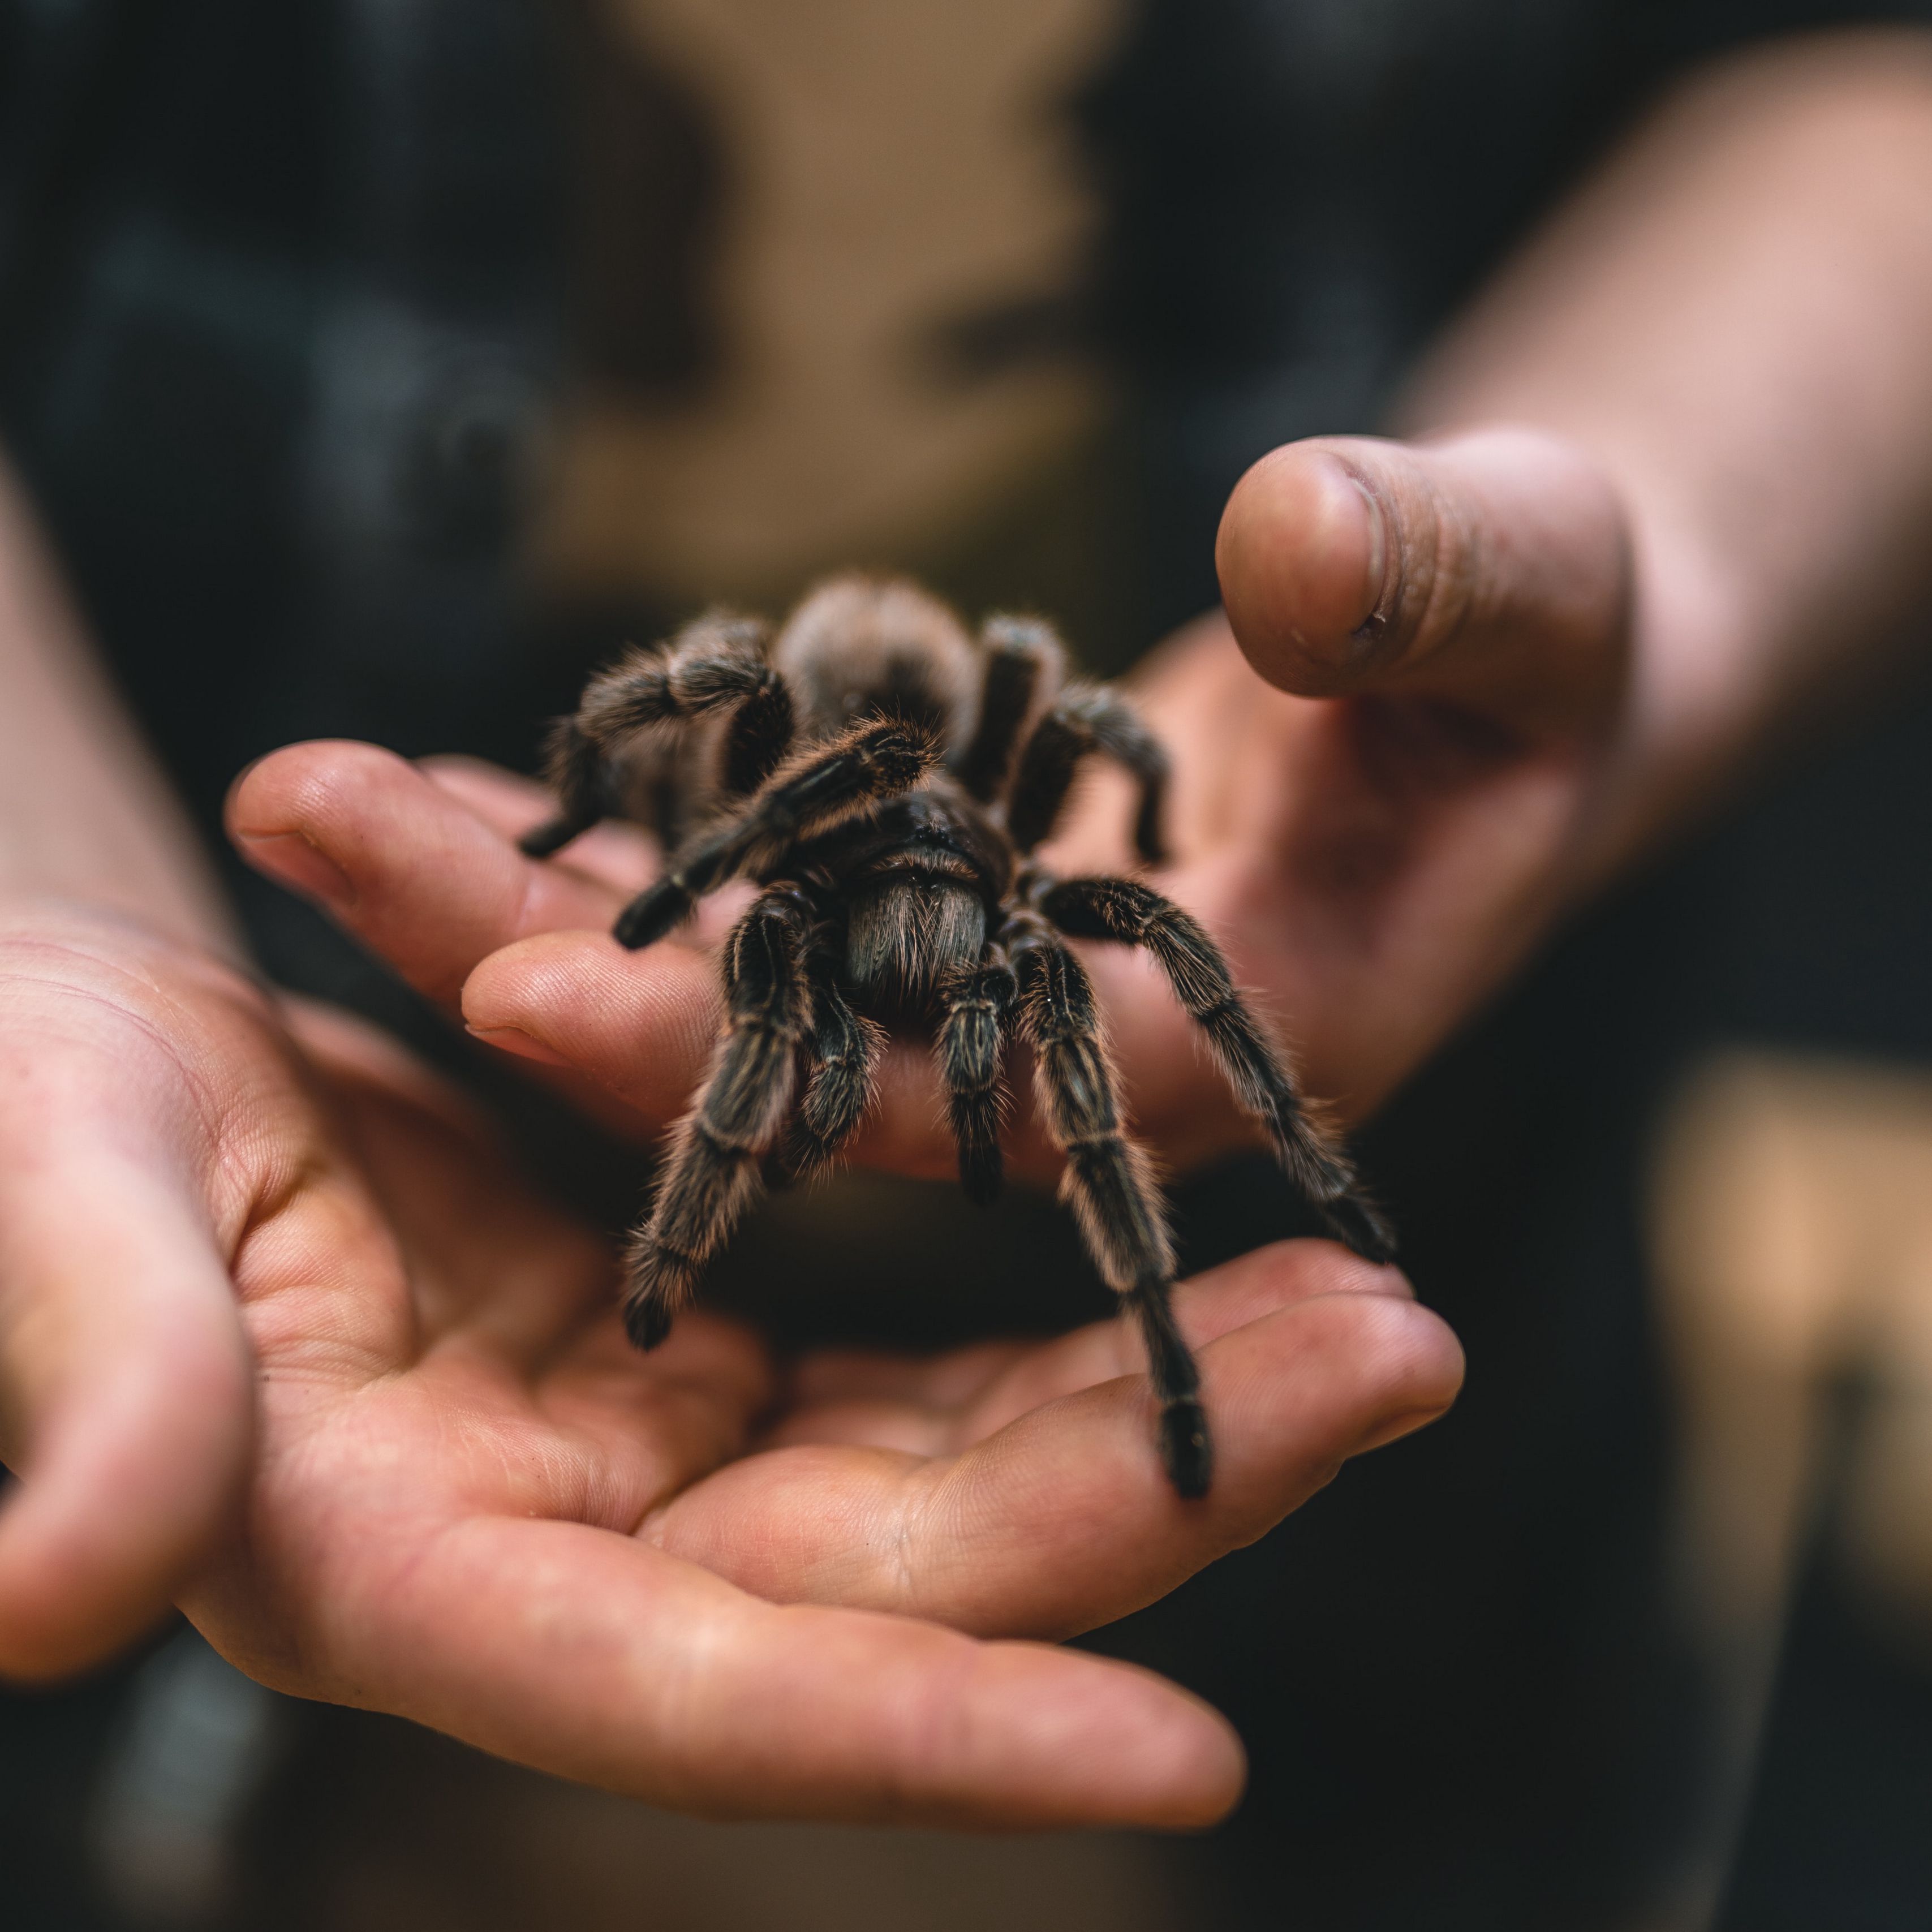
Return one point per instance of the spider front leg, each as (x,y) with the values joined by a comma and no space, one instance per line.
(1136,915)
(975,1005)
(870,763)
(711,1175)
(1111,1186)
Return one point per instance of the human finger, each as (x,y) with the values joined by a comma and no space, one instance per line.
(511,804)
(1062,1518)
(967,1394)
(401,861)
(615,853)
(589,1655)
(125,1386)
(827,1377)
(1490,571)
(641,1026)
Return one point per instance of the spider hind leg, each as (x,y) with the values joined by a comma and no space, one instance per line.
(1263,1085)
(1111,1186)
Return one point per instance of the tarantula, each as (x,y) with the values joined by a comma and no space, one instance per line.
(885,781)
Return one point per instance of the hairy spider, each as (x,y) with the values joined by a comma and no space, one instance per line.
(886,782)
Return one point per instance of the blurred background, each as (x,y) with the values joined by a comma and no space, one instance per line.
(380,365)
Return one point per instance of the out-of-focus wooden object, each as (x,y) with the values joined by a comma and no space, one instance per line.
(1794,1249)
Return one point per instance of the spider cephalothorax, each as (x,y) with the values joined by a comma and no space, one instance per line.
(886,781)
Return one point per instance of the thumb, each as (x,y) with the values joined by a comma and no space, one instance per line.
(1489,571)
(125,1398)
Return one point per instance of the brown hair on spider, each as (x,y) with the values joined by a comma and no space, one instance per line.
(886,778)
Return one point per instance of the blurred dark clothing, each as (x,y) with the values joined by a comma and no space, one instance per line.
(287,294)
(281,323)
(1302,191)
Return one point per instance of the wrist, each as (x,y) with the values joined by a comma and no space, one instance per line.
(1696,695)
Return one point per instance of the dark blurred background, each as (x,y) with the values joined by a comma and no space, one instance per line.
(380,365)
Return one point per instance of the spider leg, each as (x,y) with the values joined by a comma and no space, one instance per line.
(711,1173)
(574,770)
(843,1052)
(1086,717)
(715,663)
(1110,1183)
(874,760)
(976,1004)
(758,737)
(1262,1081)
(1022,656)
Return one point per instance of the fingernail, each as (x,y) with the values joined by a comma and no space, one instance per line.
(1376,618)
(514,1039)
(289,857)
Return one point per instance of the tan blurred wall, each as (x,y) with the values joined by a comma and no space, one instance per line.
(892,164)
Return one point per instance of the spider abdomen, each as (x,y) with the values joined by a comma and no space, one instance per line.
(905,931)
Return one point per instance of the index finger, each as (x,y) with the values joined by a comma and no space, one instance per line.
(432,885)
(403,864)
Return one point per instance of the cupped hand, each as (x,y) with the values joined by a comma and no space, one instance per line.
(133,1091)
(1397,760)
(468,1500)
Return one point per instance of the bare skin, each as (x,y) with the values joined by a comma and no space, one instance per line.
(470,1500)
(283,1339)
(1669,479)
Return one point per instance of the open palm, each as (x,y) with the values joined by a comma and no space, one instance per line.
(468,1500)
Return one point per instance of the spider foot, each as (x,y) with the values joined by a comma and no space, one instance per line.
(646,1321)
(653,915)
(1354,1221)
(982,1173)
(1186,1447)
(553,835)
(659,1283)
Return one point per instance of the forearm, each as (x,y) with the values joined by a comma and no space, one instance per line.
(84,814)
(1735,317)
